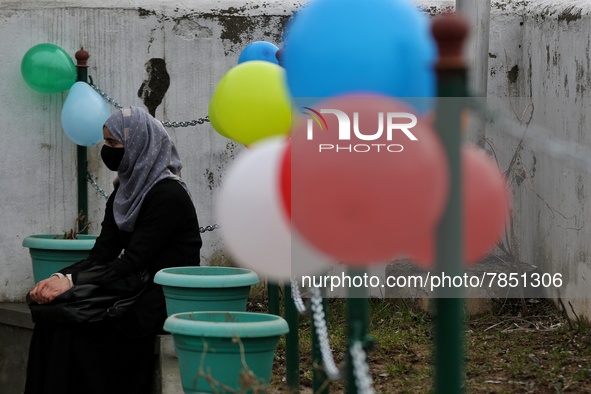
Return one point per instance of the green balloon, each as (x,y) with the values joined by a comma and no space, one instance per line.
(47,68)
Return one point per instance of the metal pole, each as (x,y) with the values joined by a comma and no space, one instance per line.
(273,296)
(81,151)
(450,32)
(292,343)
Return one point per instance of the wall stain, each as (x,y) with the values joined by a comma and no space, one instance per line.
(581,190)
(188,29)
(144,13)
(513,74)
(154,87)
(210,179)
(569,15)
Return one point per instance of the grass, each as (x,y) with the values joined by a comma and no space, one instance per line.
(514,350)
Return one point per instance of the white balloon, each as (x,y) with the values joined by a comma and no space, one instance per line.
(252,221)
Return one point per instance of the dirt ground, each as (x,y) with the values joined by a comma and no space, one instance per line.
(521,347)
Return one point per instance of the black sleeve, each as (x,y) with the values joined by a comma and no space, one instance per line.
(108,244)
(163,208)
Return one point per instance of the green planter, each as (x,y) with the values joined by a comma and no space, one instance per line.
(199,289)
(50,254)
(222,352)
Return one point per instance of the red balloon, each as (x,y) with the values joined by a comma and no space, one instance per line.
(486,201)
(368,178)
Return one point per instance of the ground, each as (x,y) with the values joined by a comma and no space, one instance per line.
(521,347)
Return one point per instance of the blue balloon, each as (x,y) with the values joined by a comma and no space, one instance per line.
(83,115)
(259,50)
(335,47)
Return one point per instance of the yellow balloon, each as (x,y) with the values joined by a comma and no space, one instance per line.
(213,116)
(251,103)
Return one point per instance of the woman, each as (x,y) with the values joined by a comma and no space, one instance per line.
(150,223)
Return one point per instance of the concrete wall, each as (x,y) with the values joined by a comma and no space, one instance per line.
(538,53)
(539,71)
(199,41)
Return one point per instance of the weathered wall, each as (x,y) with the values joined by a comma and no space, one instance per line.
(538,53)
(539,73)
(199,42)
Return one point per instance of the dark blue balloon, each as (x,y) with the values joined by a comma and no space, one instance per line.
(335,47)
(259,50)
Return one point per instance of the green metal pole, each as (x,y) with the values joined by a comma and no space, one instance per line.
(81,151)
(273,296)
(292,343)
(358,324)
(450,31)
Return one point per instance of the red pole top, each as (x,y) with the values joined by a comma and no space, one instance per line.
(450,32)
(81,57)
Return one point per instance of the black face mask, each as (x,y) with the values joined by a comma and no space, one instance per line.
(112,157)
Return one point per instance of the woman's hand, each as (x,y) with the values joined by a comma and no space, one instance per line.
(47,289)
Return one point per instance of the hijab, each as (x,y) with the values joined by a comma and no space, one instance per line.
(150,156)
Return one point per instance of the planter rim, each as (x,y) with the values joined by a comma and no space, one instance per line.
(48,241)
(206,277)
(196,324)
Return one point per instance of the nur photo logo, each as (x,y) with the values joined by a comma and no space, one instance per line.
(360,132)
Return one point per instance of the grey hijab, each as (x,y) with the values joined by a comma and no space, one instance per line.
(150,156)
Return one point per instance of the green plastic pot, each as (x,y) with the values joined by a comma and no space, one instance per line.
(225,351)
(50,254)
(199,289)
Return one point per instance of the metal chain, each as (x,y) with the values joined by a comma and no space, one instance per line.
(209,228)
(96,186)
(115,104)
(330,367)
(363,379)
(297,297)
(105,95)
(186,124)
(106,196)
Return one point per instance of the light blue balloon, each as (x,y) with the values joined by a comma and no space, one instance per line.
(259,50)
(83,115)
(335,47)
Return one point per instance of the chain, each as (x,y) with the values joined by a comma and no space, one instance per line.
(297,297)
(186,124)
(106,196)
(96,186)
(209,228)
(104,95)
(363,379)
(115,104)
(332,371)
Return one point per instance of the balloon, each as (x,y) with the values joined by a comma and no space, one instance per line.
(213,117)
(259,50)
(252,223)
(335,47)
(83,115)
(363,198)
(47,68)
(251,103)
(285,180)
(486,201)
